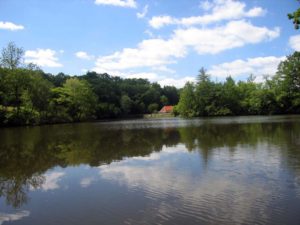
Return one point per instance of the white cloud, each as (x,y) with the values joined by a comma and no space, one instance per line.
(10,26)
(259,67)
(160,21)
(220,10)
(143,13)
(233,34)
(51,181)
(120,3)
(151,52)
(294,42)
(206,5)
(42,57)
(84,70)
(160,52)
(149,76)
(6,217)
(163,69)
(83,55)
(179,83)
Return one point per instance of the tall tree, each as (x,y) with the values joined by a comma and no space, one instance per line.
(204,93)
(289,80)
(187,103)
(78,98)
(11,56)
(202,76)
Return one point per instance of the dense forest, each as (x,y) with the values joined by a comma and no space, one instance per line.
(279,94)
(30,96)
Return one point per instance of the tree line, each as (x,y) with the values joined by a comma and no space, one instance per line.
(279,94)
(30,96)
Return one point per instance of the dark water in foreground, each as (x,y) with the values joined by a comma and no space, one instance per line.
(240,170)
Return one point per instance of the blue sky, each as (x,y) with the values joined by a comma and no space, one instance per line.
(165,41)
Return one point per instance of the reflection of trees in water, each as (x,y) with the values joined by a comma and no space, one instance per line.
(208,137)
(15,188)
(27,153)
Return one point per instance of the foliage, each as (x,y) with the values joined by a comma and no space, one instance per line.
(278,95)
(153,108)
(187,103)
(30,96)
(295,16)
(77,97)
(11,56)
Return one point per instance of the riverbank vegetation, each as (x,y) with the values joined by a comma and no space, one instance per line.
(30,96)
(279,94)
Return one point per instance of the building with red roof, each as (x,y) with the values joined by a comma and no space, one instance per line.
(167,109)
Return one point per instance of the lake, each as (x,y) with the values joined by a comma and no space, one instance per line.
(233,170)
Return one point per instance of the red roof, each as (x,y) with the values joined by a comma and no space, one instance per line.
(166,109)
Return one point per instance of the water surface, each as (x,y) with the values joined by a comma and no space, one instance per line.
(235,170)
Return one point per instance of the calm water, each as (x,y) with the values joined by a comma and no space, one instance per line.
(240,170)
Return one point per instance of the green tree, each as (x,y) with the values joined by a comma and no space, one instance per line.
(295,16)
(77,97)
(38,93)
(202,77)
(204,94)
(230,96)
(187,101)
(153,108)
(126,104)
(172,94)
(11,56)
(164,100)
(288,78)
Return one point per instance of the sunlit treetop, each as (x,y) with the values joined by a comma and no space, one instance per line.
(295,16)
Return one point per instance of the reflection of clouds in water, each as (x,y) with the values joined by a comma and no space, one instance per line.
(51,180)
(224,193)
(158,155)
(87,181)
(5,217)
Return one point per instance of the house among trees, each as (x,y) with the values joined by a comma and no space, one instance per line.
(167,109)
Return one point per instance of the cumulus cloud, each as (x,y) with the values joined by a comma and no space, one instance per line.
(206,5)
(149,76)
(120,3)
(42,57)
(233,34)
(259,67)
(163,69)
(143,13)
(220,10)
(151,52)
(179,83)
(294,42)
(6,217)
(83,55)
(160,52)
(10,26)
